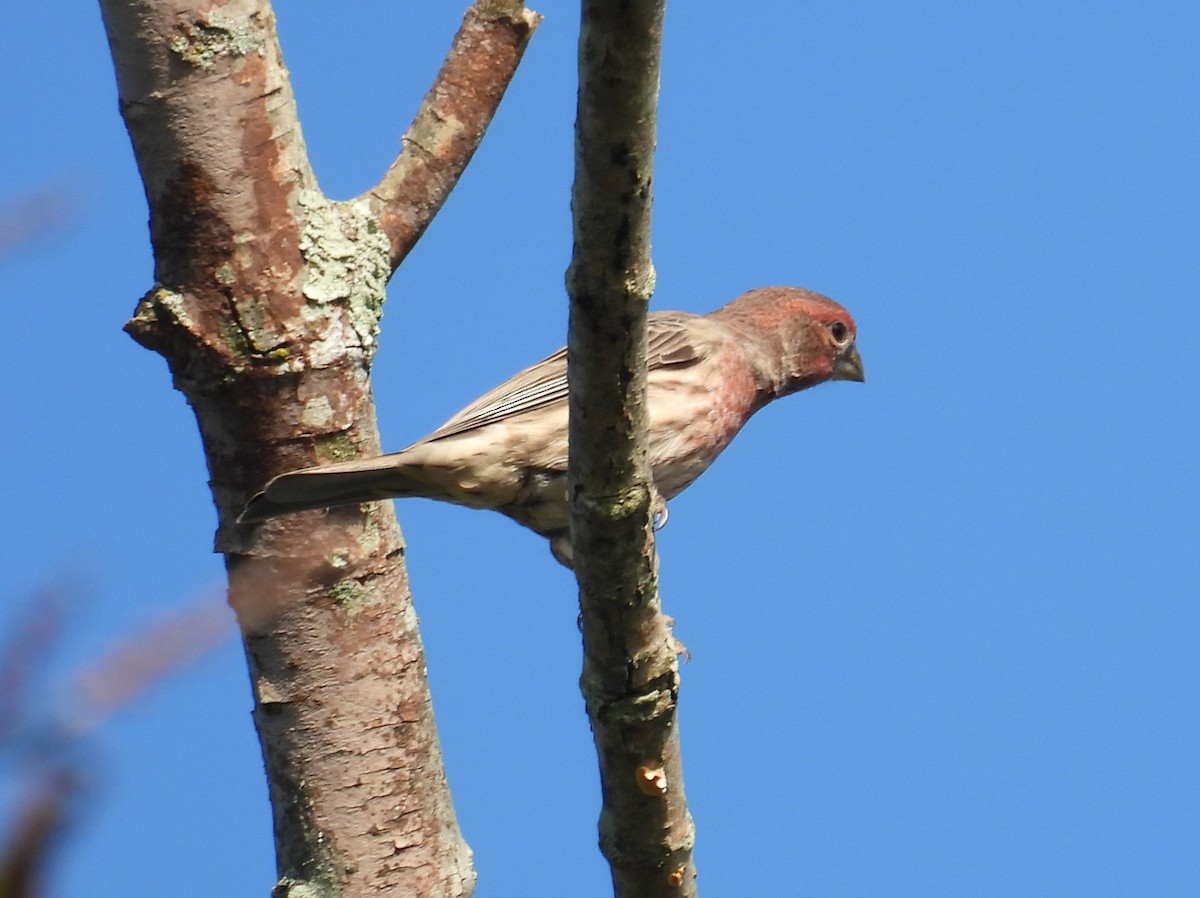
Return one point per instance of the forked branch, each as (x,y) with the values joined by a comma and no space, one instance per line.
(266,306)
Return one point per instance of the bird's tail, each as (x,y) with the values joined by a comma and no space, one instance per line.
(348,483)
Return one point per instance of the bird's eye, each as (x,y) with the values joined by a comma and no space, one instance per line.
(839,331)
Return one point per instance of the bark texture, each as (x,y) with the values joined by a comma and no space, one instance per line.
(630,677)
(266,307)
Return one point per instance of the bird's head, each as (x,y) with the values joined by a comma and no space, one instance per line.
(806,338)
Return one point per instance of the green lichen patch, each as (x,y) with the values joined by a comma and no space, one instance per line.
(347,260)
(202,43)
(333,447)
(349,594)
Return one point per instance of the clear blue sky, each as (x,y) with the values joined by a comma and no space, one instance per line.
(944,625)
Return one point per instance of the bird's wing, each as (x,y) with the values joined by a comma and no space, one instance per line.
(670,344)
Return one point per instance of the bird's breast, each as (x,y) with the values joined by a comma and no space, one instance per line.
(695,413)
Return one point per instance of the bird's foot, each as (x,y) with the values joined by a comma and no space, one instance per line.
(677,645)
(658,510)
(561,549)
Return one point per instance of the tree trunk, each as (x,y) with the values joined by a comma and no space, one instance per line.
(266,307)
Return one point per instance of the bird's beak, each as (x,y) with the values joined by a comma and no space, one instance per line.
(849,366)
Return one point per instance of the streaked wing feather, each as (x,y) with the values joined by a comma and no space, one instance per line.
(669,344)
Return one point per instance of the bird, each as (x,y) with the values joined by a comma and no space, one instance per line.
(507,451)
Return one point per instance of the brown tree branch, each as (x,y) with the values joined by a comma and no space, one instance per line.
(630,675)
(33,216)
(266,308)
(37,826)
(452,119)
(43,740)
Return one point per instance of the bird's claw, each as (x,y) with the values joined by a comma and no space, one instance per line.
(677,645)
(562,550)
(658,511)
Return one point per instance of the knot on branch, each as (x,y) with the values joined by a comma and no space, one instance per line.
(639,501)
(635,710)
(594,278)
(175,325)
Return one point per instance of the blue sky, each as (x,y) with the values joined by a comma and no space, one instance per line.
(943,624)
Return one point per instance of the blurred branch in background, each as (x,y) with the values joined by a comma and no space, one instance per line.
(43,744)
(34,216)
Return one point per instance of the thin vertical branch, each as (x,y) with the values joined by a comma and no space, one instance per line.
(630,677)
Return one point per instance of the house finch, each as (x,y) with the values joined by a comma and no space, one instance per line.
(507,451)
